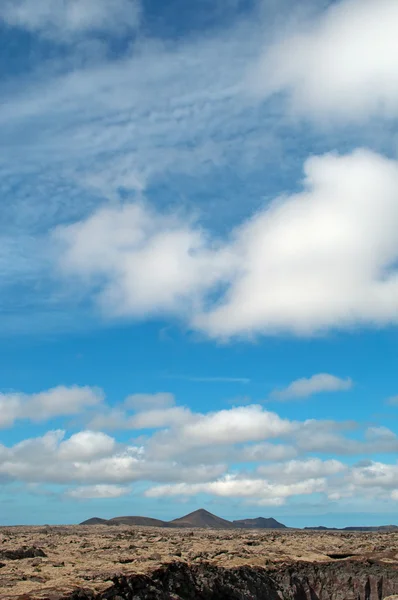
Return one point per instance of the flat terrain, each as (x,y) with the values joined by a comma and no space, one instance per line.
(89,556)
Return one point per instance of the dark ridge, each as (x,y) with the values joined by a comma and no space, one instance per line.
(259,523)
(95,521)
(353,528)
(139,521)
(199,518)
(202,518)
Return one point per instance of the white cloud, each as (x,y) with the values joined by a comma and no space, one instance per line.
(258,491)
(299,470)
(236,425)
(64,19)
(151,263)
(152,411)
(341,64)
(98,491)
(87,445)
(158,109)
(264,452)
(197,456)
(320,259)
(375,475)
(327,438)
(159,112)
(57,402)
(302,388)
(154,419)
(380,433)
(93,458)
(215,436)
(317,260)
(114,419)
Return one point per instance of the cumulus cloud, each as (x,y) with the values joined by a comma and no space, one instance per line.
(154,419)
(380,433)
(341,64)
(150,411)
(275,484)
(374,480)
(93,458)
(57,402)
(327,438)
(265,451)
(64,19)
(205,455)
(302,388)
(151,263)
(222,428)
(320,259)
(114,419)
(298,470)
(240,424)
(258,491)
(86,445)
(98,491)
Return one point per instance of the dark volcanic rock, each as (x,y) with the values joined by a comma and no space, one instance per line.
(95,521)
(22,553)
(137,521)
(302,581)
(259,523)
(198,518)
(202,518)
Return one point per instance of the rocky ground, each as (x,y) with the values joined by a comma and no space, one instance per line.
(130,562)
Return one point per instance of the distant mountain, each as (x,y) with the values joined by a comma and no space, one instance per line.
(379,528)
(353,528)
(95,521)
(139,521)
(202,518)
(198,518)
(259,523)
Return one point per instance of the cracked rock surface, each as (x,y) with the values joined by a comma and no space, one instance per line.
(133,563)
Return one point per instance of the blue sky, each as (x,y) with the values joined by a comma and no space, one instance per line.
(199,294)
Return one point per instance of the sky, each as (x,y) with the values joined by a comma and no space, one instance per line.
(199,260)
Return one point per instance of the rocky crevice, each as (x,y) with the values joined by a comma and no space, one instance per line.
(344,580)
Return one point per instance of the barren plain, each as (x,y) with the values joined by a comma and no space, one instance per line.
(124,562)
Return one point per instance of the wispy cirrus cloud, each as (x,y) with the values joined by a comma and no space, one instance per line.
(60,401)
(98,491)
(98,134)
(211,379)
(176,117)
(64,20)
